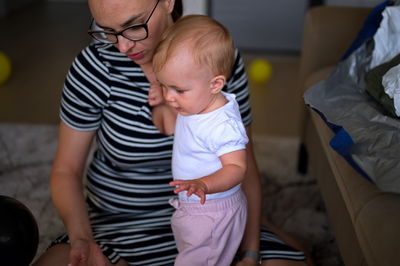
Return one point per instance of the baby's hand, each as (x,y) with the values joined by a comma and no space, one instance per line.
(155,95)
(195,186)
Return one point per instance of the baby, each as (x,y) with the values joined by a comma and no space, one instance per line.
(192,64)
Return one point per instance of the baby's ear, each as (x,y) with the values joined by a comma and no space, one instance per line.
(217,83)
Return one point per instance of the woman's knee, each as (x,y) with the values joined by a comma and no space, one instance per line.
(56,255)
(277,262)
(59,255)
(121,262)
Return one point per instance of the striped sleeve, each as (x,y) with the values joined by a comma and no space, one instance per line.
(238,85)
(85,92)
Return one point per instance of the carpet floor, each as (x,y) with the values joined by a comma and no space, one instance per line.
(291,201)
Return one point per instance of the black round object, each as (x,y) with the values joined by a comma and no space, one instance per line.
(19,234)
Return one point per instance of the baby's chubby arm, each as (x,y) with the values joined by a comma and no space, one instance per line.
(231,174)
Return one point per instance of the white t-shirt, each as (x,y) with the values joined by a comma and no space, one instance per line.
(199,141)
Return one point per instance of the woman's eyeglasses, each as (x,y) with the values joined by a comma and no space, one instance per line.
(136,32)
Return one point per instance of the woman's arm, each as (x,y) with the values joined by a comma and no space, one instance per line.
(66,185)
(252,189)
(164,118)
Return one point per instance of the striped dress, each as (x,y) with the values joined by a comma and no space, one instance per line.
(127,181)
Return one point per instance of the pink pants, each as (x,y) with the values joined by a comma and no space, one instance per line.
(209,234)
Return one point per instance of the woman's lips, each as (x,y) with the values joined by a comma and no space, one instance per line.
(136,56)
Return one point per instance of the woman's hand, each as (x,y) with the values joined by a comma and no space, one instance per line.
(195,186)
(88,253)
(155,95)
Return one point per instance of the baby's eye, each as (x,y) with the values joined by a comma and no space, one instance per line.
(180,91)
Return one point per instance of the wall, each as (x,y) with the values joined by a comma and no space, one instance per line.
(7,6)
(195,7)
(263,25)
(190,6)
(367,3)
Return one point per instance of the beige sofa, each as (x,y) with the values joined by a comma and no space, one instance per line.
(365,220)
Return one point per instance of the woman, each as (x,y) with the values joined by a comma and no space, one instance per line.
(125,216)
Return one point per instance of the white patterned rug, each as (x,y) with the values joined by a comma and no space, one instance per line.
(291,201)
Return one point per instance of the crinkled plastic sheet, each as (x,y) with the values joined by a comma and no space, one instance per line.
(342,100)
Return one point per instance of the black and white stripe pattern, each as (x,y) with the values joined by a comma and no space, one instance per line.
(272,247)
(127,182)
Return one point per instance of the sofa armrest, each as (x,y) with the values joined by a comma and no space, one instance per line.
(328,32)
(374,214)
(377,227)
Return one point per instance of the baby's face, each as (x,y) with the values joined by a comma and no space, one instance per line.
(186,85)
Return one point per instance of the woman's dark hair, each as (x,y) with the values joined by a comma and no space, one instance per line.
(178,10)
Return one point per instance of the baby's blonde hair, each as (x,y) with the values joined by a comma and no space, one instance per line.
(208,41)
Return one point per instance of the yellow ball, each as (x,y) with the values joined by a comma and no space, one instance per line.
(5,68)
(260,71)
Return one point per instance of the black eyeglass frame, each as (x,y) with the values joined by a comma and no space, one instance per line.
(121,32)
